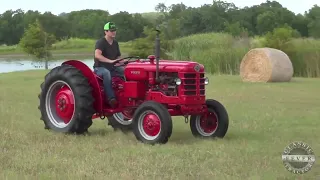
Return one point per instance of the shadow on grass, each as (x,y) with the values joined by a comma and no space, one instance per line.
(183,136)
(102,132)
(186,137)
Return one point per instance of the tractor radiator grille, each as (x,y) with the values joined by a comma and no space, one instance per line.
(193,84)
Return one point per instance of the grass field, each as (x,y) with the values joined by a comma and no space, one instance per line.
(264,118)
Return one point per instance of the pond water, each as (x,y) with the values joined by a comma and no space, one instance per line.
(23,65)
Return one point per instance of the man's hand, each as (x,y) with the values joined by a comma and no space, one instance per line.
(119,62)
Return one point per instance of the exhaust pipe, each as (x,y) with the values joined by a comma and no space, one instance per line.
(157,53)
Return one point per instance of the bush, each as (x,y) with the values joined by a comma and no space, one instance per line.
(145,46)
(280,37)
(141,47)
(75,43)
(305,56)
(8,49)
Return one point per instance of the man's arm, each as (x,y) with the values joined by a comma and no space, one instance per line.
(98,53)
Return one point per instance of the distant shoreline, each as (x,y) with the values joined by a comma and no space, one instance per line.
(54,55)
(70,49)
(58,54)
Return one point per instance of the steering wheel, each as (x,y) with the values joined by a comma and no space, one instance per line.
(128,61)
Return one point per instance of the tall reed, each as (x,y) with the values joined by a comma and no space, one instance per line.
(221,53)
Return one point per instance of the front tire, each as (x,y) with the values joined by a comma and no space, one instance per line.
(152,123)
(215,125)
(66,101)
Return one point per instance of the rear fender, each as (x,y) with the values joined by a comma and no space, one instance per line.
(87,72)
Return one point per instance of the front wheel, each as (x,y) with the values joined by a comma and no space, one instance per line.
(152,123)
(214,123)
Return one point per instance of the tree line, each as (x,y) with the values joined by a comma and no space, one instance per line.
(176,20)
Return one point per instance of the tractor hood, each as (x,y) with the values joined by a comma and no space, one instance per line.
(167,66)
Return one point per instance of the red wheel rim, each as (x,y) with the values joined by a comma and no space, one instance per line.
(149,125)
(65,104)
(128,113)
(207,124)
(60,104)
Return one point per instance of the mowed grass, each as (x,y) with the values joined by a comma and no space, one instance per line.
(264,119)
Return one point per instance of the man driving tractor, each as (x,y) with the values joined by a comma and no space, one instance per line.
(107,51)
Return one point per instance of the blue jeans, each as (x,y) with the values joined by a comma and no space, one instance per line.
(107,75)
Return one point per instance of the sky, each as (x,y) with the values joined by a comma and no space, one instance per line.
(133,6)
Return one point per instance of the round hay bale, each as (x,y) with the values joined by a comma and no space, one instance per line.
(266,65)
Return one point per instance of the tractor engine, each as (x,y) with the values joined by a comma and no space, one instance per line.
(175,78)
(180,85)
(167,83)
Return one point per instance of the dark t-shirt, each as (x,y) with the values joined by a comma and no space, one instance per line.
(110,51)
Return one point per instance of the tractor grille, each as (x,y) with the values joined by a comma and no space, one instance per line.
(193,84)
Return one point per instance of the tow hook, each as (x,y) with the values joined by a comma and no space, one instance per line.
(186,120)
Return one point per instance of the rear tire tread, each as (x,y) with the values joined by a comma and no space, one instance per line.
(82,93)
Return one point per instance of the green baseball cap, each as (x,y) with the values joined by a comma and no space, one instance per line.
(110,26)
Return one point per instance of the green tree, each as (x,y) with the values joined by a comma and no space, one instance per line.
(300,23)
(161,7)
(235,29)
(144,47)
(280,37)
(314,21)
(130,26)
(178,20)
(86,23)
(266,22)
(35,41)
(11,26)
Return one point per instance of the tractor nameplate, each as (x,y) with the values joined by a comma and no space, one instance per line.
(135,72)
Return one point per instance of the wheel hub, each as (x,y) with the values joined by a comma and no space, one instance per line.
(64,104)
(151,124)
(209,123)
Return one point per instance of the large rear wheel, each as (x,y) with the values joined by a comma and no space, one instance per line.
(121,121)
(213,124)
(152,123)
(66,101)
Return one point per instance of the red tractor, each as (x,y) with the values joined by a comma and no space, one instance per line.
(72,95)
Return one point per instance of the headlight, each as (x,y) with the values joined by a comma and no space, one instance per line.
(206,80)
(178,81)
